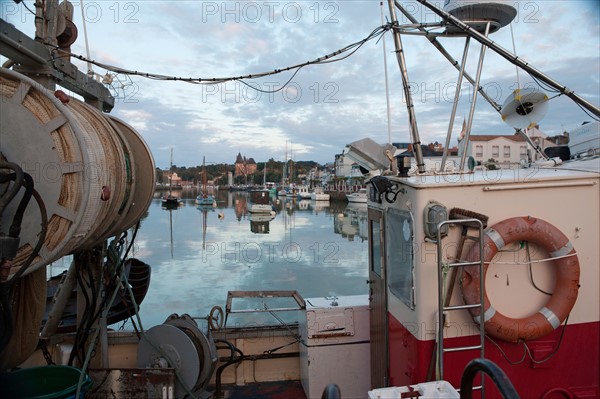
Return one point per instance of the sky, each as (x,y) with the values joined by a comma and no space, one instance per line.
(323,107)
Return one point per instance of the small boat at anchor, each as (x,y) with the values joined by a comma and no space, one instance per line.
(319,194)
(259,201)
(169,200)
(359,196)
(205,199)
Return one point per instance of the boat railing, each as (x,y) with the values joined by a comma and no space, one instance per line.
(231,295)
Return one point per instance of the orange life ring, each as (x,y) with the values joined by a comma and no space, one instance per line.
(549,317)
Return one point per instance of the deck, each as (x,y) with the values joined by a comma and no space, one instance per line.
(266,390)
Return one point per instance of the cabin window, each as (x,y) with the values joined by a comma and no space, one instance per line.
(400,255)
(376,247)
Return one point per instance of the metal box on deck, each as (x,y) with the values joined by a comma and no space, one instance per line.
(336,347)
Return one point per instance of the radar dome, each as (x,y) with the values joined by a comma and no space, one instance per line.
(477,14)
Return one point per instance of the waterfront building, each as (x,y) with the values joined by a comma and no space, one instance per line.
(244,166)
(505,150)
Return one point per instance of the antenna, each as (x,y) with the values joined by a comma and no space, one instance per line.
(387,91)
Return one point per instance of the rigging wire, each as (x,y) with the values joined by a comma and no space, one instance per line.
(27,8)
(336,56)
(560,93)
(512,35)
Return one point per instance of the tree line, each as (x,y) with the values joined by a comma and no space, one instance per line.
(218,172)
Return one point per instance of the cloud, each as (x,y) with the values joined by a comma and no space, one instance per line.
(323,107)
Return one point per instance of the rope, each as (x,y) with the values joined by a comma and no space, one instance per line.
(530,262)
(335,56)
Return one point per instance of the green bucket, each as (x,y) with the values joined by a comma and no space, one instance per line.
(45,382)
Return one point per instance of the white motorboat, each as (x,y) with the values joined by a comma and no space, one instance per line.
(303,192)
(358,196)
(319,194)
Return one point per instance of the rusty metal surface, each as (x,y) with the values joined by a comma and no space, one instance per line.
(267,390)
(132,383)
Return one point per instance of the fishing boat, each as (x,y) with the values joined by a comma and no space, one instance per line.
(470,273)
(303,192)
(359,196)
(466,277)
(259,201)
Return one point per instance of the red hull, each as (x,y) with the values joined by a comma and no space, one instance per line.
(572,372)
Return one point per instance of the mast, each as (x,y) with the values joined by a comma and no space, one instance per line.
(291,164)
(204,177)
(265,176)
(284,167)
(170,171)
(412,119)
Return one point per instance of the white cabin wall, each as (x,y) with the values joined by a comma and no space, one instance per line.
(556,205)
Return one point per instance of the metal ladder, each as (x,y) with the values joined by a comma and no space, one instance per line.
(442,308)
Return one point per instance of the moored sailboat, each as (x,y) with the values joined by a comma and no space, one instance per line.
(170,200)
(204,198)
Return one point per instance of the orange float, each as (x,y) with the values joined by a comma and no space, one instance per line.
(549,317)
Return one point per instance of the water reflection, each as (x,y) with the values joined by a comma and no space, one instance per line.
(204,209)
(259,223)
(197,254)
(352,222)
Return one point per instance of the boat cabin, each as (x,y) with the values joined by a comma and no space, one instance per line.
(539,270)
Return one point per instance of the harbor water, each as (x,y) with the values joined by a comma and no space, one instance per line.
(199,253)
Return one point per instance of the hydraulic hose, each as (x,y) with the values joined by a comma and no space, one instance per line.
(506,388)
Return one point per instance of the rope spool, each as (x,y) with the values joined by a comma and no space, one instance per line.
(75,155)
(142,182)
